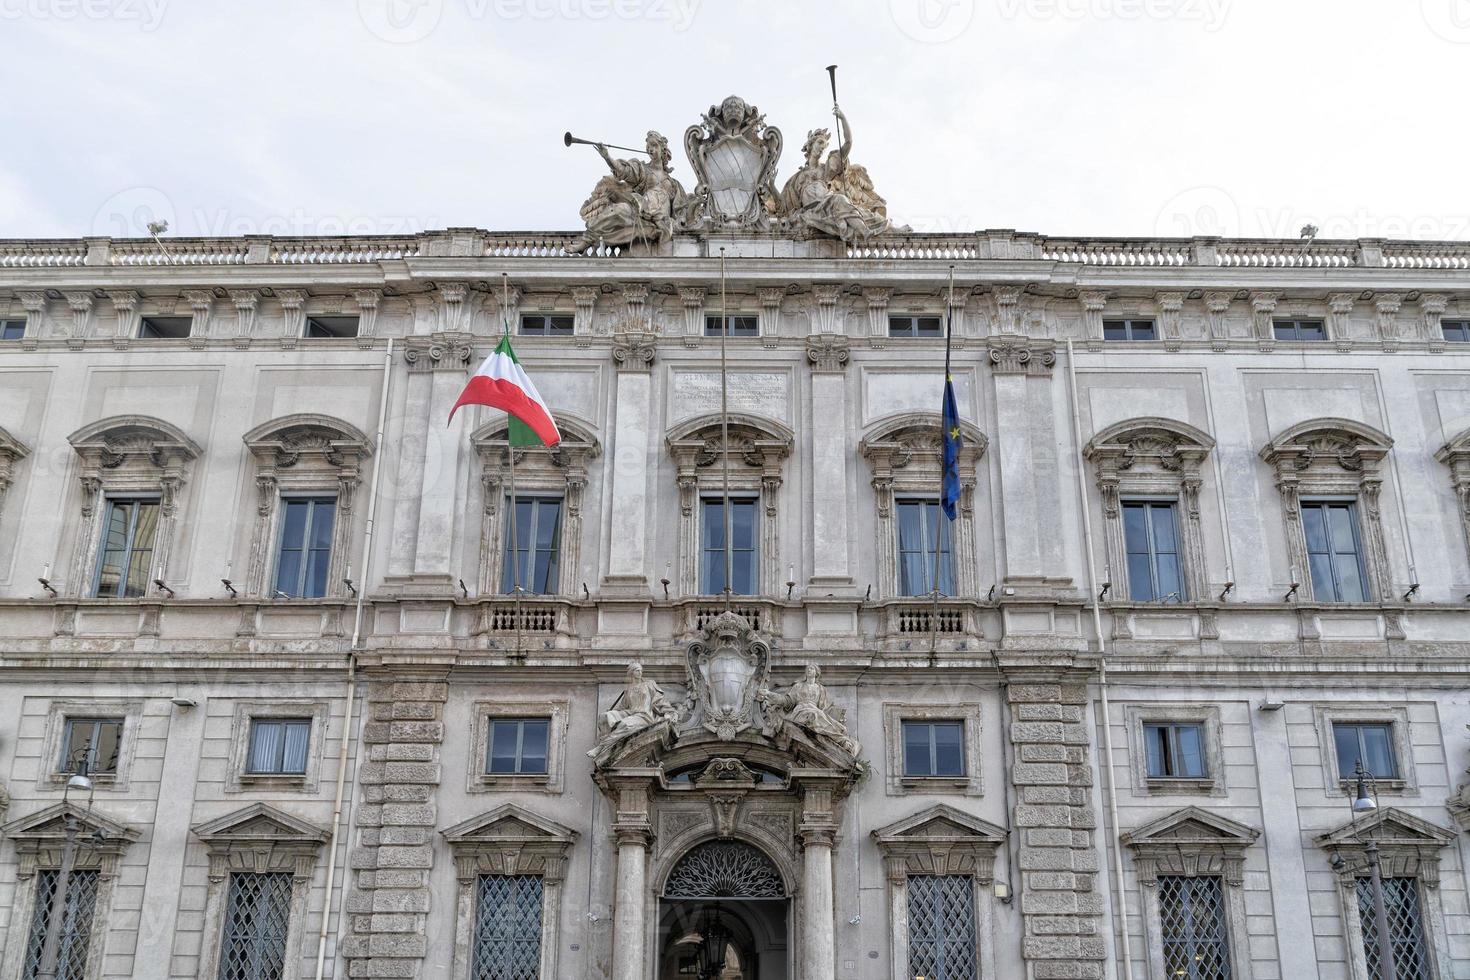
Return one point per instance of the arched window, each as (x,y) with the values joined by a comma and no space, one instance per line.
(724,869)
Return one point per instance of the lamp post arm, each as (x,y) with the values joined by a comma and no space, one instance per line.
(55,922)
(1384,942)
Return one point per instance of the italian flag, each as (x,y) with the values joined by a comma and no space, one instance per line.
(501,383)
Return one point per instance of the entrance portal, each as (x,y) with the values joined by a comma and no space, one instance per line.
(724,916)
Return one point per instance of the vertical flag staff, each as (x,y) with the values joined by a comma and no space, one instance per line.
(949,485)
(725,441)
(510,452)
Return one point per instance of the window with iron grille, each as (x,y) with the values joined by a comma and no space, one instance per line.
(518,746)
(278,746)
(305,552)
(742,550)
(1454,330)
(125,565)
(736,325)
(1405,928)
(1334,551)
(1303,330)
(76,924)
(12,329)
(920,532)
(91,745)
(547,324)
(537,550)
(257,922)
(942,927)
(933,748)
(1192,927)
(915,326)
(1130,330)
(507,940)
(1151,535)
(1175,751)
(1370,743)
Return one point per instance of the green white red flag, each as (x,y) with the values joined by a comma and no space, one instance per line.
(501,383)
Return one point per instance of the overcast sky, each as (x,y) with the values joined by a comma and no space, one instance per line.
(1066,117)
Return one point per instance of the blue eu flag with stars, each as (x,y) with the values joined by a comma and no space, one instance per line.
(949,494)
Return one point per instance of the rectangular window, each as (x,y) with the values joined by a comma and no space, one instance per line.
(305,552)
(537,546)
(1370,743)
(329,327)
(1334,551)
(922,528)
(942,927)
(76,924)
(165,327)
(1151,537)
(1175,751)
(257,922)
(518,746)
(737,325)
(915,326)
(742,550)
(933,748)
(1192,926)
(1129,330)
(91,745)
(1304,330)
(125,566)
(12,329)
(1405,928)
(1455,330)
(547,324)
(507,940)
(278,746)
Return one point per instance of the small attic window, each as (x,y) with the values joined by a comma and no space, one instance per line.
(165,327)
(328,327)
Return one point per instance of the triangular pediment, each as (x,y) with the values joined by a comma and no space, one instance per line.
(509,823)
(1195,826)
(50,824)
(940,823)
(1388,826)
(259,822)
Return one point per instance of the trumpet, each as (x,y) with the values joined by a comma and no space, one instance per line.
(568,139)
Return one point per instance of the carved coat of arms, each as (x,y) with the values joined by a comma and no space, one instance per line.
(726,670)
(734,155)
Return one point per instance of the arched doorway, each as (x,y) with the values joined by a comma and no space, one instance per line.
(723,915)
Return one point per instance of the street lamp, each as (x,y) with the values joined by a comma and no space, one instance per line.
(51,947)
(1363,803)
(713,943)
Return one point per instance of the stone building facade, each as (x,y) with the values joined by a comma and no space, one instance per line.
(1270,442)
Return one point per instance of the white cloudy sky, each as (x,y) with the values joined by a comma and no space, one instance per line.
(1098,117)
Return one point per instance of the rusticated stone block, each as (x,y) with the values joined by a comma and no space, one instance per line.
(1034,693)
(408,793)
(380,944)
(410,772)
(399,901)
(414,711)
(1038,712)
(1059,880)
(420,691)
(1049,837)
(1028,815)
(1062,970)
(1041,772)
(1046,858)
(416,731)
(410,814)
(394,922)
(1044,753)
(1037,731)
(412,752)
(1049,903)
(405,857)
(405,835)
(402,878)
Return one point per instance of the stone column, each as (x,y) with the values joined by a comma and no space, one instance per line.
(633,833)
(627,563)
(1026,441)
(818,949)
(828,355)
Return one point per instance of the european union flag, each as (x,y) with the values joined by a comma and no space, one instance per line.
(949,495)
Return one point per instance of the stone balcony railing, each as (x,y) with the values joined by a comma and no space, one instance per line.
(1198,252)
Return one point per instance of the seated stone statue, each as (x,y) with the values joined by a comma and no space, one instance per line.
(834,196)
(642,704)
(637,202)
(807,705)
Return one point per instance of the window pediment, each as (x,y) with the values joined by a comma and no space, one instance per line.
(1191,841)
(913,440)
(39,838)
(11,450)
(258,823)
(1408,846)
(510,840)
(1331,443)
(310,441)
(1149,444)
(578,444)
(940,840)
(133,440)
(757,442)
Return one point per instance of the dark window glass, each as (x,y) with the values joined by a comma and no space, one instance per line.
(278,746)
(257,922)
(507,940)
(1304,330)
(915,326)
(547,324)
(933,748)
(922,528)
(12,329)
(125,563)
(91,745)
(165,327)
(1334,552)
(1368,743)
(327,327)
(518,746)
(1405,928)
(1129,330)
(739,325)
(306,546)
(1192,927)
(538,546)
(1456,330)
(76,923)
(1150,534)
(1174,751)
(742,552)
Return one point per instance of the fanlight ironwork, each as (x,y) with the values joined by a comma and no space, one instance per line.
(724,869)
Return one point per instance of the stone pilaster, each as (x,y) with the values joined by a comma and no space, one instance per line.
(828,356)
(1061,907)
(627,568)
(392,854)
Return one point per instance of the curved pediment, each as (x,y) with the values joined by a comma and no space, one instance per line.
(744,427)
(576,434)
(309,429)
(11,447)
(1452,453)
(918,431)
(1344,441)
(120,437)
(1151,429)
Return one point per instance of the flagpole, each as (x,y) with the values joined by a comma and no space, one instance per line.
(725,440)
(938,528)
(510,452)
